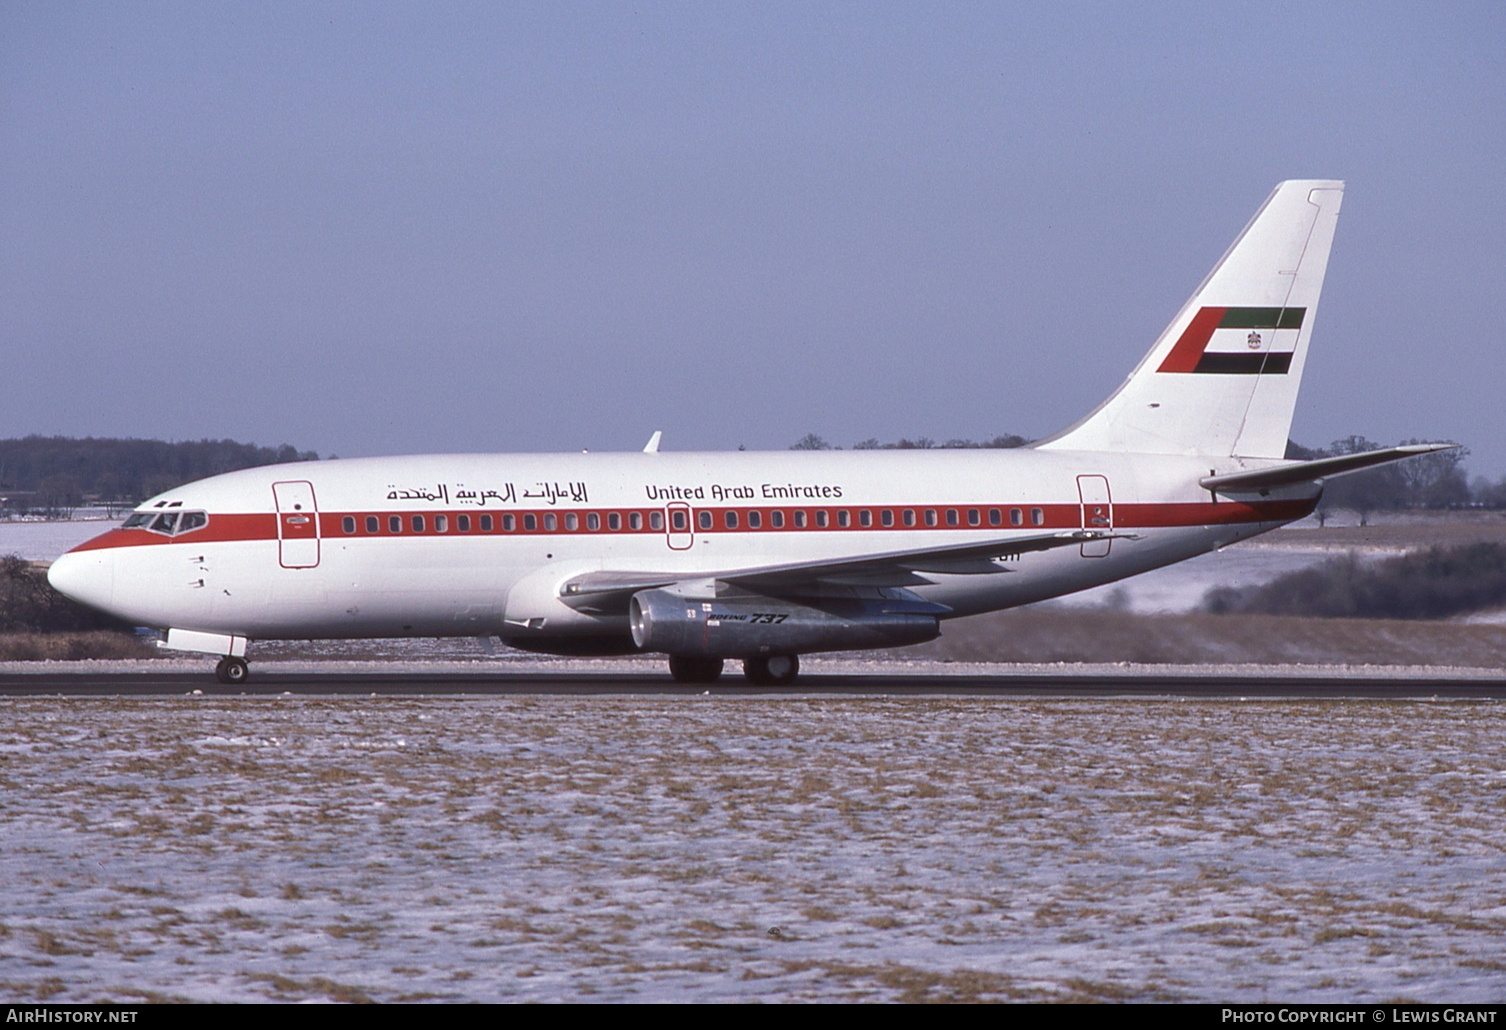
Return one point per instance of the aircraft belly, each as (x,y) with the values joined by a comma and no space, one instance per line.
(418,588)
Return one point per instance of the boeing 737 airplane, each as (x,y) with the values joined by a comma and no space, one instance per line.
(757,557)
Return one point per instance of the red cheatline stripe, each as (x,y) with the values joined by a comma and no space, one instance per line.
(252,527)
(1184,356)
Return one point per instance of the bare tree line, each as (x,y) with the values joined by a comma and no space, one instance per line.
(55,475)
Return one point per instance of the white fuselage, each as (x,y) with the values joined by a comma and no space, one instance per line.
(469,545)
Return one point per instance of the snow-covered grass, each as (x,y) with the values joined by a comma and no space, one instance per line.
(715,848)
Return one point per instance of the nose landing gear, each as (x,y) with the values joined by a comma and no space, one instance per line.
(232,671)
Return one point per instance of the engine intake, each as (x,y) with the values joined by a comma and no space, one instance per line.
(742,627)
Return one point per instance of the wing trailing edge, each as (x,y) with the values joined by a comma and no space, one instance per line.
(892,568)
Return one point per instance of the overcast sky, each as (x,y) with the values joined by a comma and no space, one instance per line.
(368,228)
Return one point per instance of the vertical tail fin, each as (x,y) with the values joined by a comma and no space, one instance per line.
(1222,379)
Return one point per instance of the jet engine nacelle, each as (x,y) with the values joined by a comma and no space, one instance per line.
(742,627)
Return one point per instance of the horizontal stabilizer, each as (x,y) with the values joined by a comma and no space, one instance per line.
(1318,468)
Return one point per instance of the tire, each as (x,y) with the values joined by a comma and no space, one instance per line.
(232,671)
(772,670)
(694,669)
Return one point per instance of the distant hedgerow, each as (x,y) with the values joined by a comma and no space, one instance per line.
(1431,584)
(28,604)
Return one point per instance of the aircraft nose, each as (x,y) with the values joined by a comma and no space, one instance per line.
(87,577)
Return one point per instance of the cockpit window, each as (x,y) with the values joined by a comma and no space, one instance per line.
(168,523)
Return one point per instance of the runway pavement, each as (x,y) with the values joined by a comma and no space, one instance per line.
(1191,682)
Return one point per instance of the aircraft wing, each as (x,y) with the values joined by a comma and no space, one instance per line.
(598,590)
(1319,468)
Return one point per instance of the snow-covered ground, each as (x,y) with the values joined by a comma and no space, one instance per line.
(715,848)
(43,541)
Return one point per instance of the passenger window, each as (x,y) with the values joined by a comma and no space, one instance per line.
(887,517)
(373,524)
(550,522)
(704,518)
(995,517)
(909,516)
(348,523)
(614,520)
(394,523)
(821,517)
(462,523)
(755,520)
(509,523)
(776,519)
(974,517)
(865,518)
(952,519)
(656,520)
(635,520)
(486,523)
(441,523)
(1037,517)
(572,521)
(593,521)
(844,518)
(678,520)
(1016,517)
(418,523)
(731,519)
(799,520)
(930,516)
(530,522)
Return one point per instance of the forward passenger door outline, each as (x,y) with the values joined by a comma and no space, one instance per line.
(297,524)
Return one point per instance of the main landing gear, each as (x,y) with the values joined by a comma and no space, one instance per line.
(232,671)
(773,670)
(693,669)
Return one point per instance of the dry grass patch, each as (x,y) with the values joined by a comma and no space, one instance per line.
(287,988)
(72,647)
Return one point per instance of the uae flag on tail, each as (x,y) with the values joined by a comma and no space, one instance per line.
(1237,341)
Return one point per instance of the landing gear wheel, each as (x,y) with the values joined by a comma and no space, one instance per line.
(232,671)
(774,670)
(692,669)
